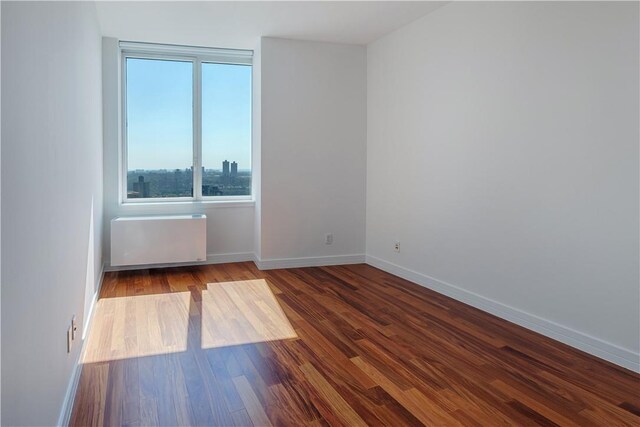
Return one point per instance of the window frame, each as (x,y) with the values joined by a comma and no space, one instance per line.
(197,56)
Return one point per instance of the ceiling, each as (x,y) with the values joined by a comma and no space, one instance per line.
(239,24)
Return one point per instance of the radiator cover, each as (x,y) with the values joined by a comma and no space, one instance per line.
(166,239)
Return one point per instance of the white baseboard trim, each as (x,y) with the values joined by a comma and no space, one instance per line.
(94,300)
(589,344)
(226,258)
(211,259)
(67,404)
(271,264)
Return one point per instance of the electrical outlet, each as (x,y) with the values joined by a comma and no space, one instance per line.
(69,339)
(328,239)
(74,328)
(396,247)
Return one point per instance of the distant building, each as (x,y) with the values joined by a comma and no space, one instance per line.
(234,169)
(141,189)
(225,168)
(211,190)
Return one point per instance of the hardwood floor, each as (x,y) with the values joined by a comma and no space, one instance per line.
(345,345)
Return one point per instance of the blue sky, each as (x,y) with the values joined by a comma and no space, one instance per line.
(159,112)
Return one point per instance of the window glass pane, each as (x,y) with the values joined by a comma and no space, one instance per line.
(226,130)
(159,128)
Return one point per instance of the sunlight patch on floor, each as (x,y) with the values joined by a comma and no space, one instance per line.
(138,326)
(242,312)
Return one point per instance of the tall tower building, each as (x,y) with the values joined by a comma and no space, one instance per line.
(142,188)
(225,168)
(234,169)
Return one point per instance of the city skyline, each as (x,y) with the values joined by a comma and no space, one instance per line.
(222,169)
(159,183)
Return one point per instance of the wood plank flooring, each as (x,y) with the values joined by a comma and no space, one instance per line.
(343,345)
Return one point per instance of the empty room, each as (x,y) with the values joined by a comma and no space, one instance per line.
(320,213)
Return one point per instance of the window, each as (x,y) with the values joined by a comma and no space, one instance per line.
(187,123)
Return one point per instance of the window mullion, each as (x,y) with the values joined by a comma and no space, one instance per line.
(197,130)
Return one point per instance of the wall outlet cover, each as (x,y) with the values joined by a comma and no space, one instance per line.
(74,328)
(69,339)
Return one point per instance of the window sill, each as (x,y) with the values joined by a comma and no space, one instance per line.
(202,204)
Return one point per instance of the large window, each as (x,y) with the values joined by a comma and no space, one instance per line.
(187,123)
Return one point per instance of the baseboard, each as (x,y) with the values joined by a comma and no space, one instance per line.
(262,264)
(94,300)
(211,259)
(589,344)
(67,404)
(271,264)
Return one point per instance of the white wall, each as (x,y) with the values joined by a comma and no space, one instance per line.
(313,150)
(229,226)
(51,194)
(503,154)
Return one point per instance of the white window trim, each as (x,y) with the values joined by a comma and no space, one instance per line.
(197,56)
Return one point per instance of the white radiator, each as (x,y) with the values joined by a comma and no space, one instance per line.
(165,239)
